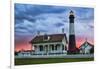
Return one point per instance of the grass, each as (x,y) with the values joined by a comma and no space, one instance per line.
(28,61)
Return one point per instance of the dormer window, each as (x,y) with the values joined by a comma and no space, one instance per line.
(46,37)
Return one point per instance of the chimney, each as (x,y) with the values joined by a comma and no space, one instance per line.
(63,30)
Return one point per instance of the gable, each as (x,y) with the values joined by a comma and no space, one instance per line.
(86,45)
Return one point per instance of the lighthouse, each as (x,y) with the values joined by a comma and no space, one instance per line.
(72,41)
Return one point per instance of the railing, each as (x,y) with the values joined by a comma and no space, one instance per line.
(58,56)
(43,52)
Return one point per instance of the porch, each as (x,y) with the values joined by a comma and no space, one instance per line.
(49,49)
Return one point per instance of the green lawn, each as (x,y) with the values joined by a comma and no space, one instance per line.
(27,61)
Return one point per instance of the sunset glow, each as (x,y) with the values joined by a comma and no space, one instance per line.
(51,19)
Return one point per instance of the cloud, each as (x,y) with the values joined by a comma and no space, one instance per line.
(51,19)
(29,11)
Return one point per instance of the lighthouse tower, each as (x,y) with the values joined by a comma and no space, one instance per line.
(72,41)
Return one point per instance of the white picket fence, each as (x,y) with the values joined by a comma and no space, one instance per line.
(58,56)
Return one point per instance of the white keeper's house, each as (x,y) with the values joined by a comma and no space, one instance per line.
(86,48)
(52,44)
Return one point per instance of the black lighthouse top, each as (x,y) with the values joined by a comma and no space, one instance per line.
(71,17)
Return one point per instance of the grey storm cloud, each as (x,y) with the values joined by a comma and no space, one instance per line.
(28,12)
(51,19)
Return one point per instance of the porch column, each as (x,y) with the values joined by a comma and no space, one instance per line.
(43,49)
(36,49)
(48,49)
(54,48)
(62,48)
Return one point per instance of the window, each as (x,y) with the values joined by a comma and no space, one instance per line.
(62,47)
(52,46)
(56,47)
(41,48)
(46,37)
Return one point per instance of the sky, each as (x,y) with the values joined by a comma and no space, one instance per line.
(50,19)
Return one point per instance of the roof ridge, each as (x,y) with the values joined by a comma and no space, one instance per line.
(53,34)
